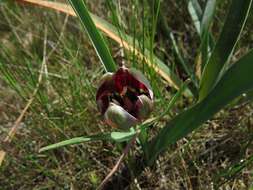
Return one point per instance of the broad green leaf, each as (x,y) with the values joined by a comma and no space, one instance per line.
(229,36)
(124,40)
(237,80)
(249,96)
(113,136)
(95,36)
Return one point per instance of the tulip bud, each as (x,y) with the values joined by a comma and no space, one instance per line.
(124,98)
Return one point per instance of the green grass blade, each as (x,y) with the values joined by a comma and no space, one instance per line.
(113,136)
(237,80)
(184,63)
(166,30)
(121,136)
(196,13)
(230,34)
(231,172)
(202,21)
(126,41)
(207,16)
(204,31)
(95,36)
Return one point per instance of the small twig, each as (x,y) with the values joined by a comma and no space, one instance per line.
(13,130)
(116,166)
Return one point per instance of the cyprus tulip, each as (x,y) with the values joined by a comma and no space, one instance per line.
(124,98)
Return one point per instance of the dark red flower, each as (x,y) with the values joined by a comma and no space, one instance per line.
(124,98)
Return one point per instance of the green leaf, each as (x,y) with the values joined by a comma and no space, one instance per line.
(196,13)
(121,136)
(207,16)
(206,37)
(237,80)
(202,21)
(95,36)
(113,136)
(229,36)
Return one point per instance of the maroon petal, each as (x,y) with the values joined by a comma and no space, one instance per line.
(121,79)
(106,85)
(134,79)
(106,89)
(103,103)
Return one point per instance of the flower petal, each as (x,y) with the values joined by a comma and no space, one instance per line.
(117,117)
(142,79)
(121,79)
(133,79)
(106,88)
(143,106)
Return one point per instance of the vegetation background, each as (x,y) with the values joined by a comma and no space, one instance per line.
(216,156)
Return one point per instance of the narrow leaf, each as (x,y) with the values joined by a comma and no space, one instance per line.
(96,38)
(196,13)
(113,136)
(207,16)
(202,21)
(237,80)
(229,36)
(206,37)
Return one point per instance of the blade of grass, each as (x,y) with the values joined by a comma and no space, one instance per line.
(207,16)
(237,80)
(231,172)
(202,20)
(204,31)
(184,63)
(95,36)
(229,36)
(126,41)
(196,13)
(113,136)
(166,30)
(16,125)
